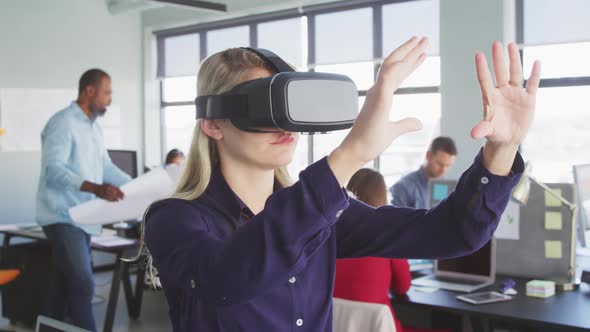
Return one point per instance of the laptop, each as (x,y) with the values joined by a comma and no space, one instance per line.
(46,324)
(463,274)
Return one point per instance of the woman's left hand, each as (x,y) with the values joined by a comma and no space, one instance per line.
(508,107)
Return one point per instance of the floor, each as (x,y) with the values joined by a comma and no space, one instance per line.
(153,317)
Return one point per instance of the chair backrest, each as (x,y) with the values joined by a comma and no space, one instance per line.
(354,316)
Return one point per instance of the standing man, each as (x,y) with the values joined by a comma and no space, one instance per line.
(75,168)
(412,189)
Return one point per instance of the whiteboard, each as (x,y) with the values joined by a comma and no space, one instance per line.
(24,113)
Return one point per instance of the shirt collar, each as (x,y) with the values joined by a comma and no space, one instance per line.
(226,201)
(422,175)
(79,113)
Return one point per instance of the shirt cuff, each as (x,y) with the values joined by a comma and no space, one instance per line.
(489,182)
(326,190)
(75,182)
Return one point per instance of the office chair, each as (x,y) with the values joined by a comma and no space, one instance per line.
(6,277)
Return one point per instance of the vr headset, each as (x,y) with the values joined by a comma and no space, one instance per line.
(306,102)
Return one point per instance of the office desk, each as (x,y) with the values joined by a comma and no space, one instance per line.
(121,275)
(566,311)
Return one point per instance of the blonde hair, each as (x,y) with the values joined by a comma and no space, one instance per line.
(219,73)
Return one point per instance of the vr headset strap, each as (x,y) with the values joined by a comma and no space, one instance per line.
(215,106)
(278,64)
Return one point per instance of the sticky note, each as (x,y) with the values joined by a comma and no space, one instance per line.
(553,220)
(552,201)
(553,249)
(440,191)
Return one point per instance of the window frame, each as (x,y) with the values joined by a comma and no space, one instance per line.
(310,12)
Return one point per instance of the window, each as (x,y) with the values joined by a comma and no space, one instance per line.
(286,38)
(181,55)
(407,152)
(344,43)
(179,124)
(343,37)
(560,133)
(558,60)
(179,89)
(219,40)
(402,20)
(549,21)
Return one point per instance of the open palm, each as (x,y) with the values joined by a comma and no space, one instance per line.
(508,107)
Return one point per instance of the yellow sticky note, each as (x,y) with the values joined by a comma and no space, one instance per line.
(553,249)
(552,201)
(553,220)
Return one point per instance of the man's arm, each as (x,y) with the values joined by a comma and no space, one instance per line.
(111,173)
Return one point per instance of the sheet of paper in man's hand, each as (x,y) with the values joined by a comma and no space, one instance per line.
(139,194)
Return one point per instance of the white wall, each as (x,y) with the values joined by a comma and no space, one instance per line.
(49,44)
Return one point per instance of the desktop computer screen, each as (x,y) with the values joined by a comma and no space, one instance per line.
(126,160)
(582,187)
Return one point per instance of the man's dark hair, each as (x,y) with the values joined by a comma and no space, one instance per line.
(173,154)
(444,144)
(91,77)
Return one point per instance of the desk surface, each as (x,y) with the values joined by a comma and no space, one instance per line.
(39,235)
(565,309)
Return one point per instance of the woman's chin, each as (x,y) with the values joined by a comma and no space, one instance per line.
(280,161)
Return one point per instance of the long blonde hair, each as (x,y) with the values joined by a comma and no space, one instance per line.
(219,73)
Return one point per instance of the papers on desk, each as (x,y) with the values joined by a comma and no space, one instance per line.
(139,194)
(509,226)
(111,241)
(9,227)
(423,289)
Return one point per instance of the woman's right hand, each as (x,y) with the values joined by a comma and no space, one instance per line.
(373,132)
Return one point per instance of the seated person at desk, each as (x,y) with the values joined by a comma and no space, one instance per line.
(174,156)
(370,279)
(412,189)
(75,168)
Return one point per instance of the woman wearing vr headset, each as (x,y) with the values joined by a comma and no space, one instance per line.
(241,247)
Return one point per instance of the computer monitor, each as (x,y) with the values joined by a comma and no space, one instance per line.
(480,265)
(45,324)
(582,187)
(125,160)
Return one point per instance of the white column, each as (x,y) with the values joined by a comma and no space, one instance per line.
(467,26)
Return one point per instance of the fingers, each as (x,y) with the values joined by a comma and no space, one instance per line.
(533,82)
(482,129)
(113,193)
(120,193)
(401,52)
(410,51)
(406,125)
(483,74)
(417,52)
(499,64)
(515,65)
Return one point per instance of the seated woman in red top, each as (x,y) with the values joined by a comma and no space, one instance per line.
(370,279)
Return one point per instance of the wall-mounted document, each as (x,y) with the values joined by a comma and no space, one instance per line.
(509,227)
(139,194)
